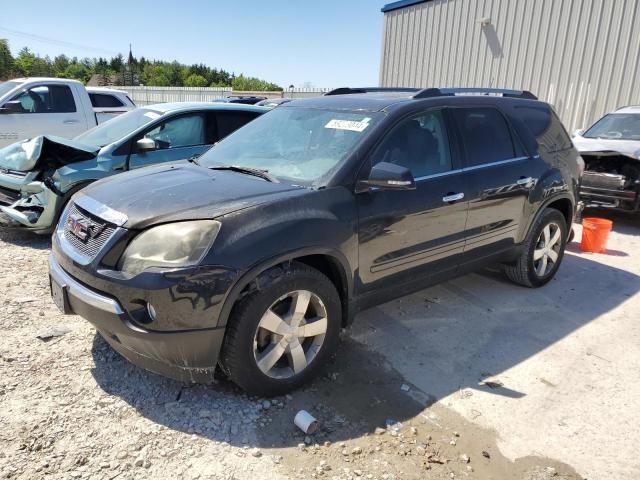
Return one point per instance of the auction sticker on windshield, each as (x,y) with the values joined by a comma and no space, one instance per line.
(348,125)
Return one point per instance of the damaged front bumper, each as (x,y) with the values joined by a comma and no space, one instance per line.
(188,355)
(31,206)
(611,180)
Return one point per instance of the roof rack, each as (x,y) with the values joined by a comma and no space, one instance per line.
(437,92)
(349,90)
(449,92)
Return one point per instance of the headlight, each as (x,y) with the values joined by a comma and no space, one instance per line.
(177,244)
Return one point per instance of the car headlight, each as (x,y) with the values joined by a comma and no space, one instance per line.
(179,244)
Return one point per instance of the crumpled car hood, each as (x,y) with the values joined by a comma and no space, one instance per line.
(44,151)
(601,146)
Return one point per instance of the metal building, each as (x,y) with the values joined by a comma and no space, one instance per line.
(582,56)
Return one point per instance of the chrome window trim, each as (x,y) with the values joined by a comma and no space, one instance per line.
(468,169)
(492,164)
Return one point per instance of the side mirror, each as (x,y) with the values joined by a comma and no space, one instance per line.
(388,176)
(13,106)
(146,145)
(577,133)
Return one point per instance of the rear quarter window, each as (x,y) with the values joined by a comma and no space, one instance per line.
(100,100)
(543,123)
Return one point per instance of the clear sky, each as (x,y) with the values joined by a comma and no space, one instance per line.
(328,43)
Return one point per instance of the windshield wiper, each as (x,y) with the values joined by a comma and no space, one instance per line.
(256,172)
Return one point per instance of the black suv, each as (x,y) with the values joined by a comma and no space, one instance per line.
(255,255)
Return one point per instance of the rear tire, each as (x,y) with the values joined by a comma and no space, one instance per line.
(542,251)
(283,332)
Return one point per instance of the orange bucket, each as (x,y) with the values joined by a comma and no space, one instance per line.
(595,233)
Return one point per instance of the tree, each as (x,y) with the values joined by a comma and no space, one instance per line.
(23,64)
(195,81)
(253,84)
(117,63)
(60,64)
(149,72)
(78,71)
(6,60)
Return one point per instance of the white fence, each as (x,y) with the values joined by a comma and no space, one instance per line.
(150,95)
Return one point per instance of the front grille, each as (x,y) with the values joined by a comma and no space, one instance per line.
(98,233)
(603,180)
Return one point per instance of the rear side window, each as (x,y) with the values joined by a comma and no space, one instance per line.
(228,122)
(486,135)
(546,127)
(100,100)
(47,99)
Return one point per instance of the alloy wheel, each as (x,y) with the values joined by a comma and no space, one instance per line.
(290,334)
(547,250)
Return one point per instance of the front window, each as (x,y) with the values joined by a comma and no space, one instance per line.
(183,131)
(46,99)
(118,127)
(296,145)
(6,87)
(616,126)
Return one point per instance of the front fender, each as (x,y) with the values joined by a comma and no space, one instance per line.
(253,273)
(316,222)
(71,176)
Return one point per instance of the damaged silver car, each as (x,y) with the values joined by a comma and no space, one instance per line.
(38,176)
(611,152)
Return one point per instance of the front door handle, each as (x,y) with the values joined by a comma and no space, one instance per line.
(524,181)
(452,197)
(70,122)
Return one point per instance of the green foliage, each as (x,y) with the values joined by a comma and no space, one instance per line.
(243,83)
(194,80)
(6,60)
(118,70)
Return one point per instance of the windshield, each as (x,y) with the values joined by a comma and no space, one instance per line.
(7,87)
(616,126)
(295,145)
(118,127)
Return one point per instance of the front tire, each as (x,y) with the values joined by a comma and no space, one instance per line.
(543,251)
(283,332)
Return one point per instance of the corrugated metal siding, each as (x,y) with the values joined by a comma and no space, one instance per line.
(582,56)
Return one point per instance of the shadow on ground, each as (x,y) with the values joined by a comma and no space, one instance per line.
(450,337)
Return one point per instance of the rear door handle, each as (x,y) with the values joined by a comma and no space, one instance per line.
(70,122)
(453,197)
(524,181)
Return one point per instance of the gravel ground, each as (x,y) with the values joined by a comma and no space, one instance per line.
(70,407)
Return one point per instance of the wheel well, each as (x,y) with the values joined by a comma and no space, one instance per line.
(564,206)
(333,270)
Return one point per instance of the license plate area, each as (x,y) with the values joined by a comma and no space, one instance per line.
(59,296)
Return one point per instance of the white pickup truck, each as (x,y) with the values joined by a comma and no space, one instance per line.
(55,106)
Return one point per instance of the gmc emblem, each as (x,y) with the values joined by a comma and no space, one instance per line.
(83,228)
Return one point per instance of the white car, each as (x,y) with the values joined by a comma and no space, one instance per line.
(611,152)
(108,102)
(30,107)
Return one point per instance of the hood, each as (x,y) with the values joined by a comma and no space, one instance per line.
(179,191)
(602,146)
(44,152)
